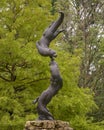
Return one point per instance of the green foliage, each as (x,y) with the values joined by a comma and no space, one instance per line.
(22,70)
(84,26)
(72,103)
(24,74)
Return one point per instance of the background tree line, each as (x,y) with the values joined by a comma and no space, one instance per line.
(85,29)
(24,74)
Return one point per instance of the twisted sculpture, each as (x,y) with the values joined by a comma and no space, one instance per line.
(56,81)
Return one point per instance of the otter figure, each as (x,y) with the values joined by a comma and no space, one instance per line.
(56,81)
(46,96)
(49,34)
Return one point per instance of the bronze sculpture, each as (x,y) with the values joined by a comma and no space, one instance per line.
(56,81)
(49,34)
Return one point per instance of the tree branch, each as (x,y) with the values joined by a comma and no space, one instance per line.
(4,78)
(37,80)
(30,82)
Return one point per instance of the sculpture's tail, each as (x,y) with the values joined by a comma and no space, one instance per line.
(57,23)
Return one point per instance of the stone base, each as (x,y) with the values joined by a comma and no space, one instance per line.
(47,125)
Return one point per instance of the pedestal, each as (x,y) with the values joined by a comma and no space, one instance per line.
(47,125)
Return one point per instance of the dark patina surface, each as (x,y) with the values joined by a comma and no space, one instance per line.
(56,81)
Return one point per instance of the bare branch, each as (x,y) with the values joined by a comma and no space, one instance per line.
(4,78)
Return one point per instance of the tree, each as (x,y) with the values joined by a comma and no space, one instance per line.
(84,27)
(53,6)
(21,69)
(91,25)
(24,74)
